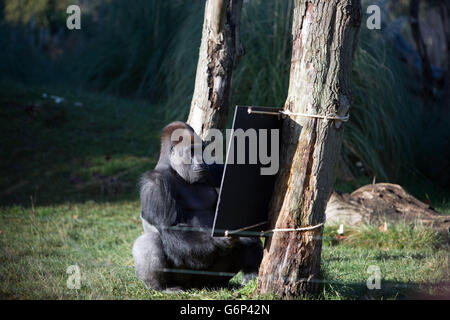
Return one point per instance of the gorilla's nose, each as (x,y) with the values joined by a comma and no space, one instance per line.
(200,167)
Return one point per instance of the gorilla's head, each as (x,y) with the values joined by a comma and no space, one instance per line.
(181,149)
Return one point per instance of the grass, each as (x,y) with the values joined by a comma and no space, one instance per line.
(399,236)
(38,245)
(88,145)
(68,196)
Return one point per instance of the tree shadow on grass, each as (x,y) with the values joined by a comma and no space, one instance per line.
(388,290)
(385,256)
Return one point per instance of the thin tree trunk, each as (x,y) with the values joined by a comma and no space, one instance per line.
(324,39)
(445,16)
(427,74)
(220,51)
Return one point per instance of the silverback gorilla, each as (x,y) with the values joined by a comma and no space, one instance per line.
(178,200)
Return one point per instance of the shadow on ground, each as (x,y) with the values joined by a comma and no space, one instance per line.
(390,290)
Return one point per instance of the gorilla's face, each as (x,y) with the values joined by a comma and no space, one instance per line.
(186,160)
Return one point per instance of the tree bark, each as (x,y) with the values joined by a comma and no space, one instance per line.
(220,51)
(427,74)
(324,39)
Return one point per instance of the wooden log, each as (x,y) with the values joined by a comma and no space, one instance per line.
(377,203)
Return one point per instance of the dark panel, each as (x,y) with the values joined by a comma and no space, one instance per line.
(245,193)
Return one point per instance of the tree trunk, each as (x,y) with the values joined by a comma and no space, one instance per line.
(324,39)
(427,74)
(445,16)
(220,51)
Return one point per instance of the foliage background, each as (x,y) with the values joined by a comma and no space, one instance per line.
(149,49)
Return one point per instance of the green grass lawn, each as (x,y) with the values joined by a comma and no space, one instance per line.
(69,196)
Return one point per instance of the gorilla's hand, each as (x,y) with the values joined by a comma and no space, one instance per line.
(234,239)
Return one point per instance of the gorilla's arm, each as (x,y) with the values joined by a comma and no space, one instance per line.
(194,249)
(190,247)
(157,203)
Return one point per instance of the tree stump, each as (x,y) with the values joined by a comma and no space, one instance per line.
(377,203)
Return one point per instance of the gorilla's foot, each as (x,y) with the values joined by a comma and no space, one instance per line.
(173,290)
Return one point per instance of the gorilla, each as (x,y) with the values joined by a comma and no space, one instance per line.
(178,201)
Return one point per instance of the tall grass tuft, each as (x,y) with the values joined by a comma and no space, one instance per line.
(262,76)
(386,110)
(124,56)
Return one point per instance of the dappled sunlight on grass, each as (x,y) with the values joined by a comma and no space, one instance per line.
(397,236)
(38,244)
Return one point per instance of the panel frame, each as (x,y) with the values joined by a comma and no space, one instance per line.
(224,224)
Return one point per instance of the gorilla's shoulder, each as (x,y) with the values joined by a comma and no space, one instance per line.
(152,176)
(155,179)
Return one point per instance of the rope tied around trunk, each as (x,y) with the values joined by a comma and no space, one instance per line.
(294,229)
(327,117)
(263,233)
(288,113)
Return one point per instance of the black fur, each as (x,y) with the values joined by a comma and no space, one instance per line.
(178,204)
